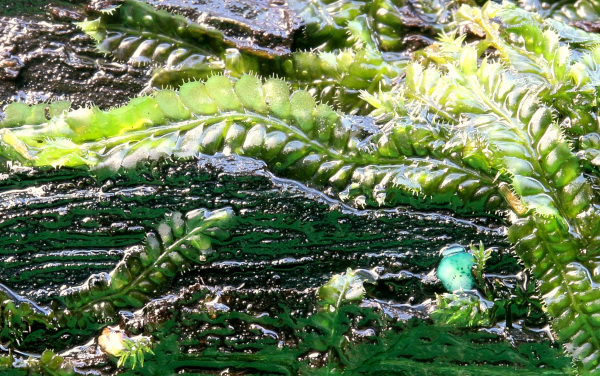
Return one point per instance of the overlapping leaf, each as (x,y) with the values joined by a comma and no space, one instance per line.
(555,219)
(178,243)
(294,135)
(471,128)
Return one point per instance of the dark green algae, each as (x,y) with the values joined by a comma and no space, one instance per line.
(252,310)
(282,227)
(257,336)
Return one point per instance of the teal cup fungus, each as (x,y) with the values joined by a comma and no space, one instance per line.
(455,269)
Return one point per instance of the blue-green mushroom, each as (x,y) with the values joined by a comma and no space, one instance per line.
(455,269)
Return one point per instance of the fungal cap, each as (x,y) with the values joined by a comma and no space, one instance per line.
(455,269)
(111,341)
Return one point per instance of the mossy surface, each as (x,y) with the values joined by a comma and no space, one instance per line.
(341,171)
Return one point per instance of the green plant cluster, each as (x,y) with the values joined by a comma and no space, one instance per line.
(461,310)
(343,336)
(498,117)
(48,364)
(180,242)
(483,300)
(181,50)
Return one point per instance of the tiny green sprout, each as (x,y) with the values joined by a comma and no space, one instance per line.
(134,349)
(481,255)
(344,288)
